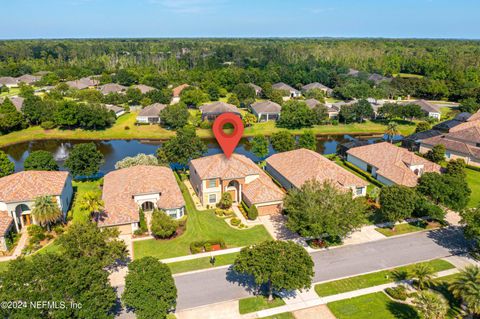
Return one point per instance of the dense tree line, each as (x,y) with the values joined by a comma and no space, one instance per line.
(447,68)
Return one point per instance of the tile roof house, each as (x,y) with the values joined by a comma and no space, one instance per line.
(319,86)
(176,91)
(446,126)
(293,168)
(112,88)
(83,83)
(464,144)
(266,110)
(412,142)
(6,226)
(211,176)
(127,190)
(8,81)
(391,164)
(331,110)
(258,89)
(287,88)
(29,79)
(119,111)
(472,121)
(212,110)
(151,113)
(143,88)
(19,191)
(429,109)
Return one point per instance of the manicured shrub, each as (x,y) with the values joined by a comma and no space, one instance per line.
(399,292)
(252,213)
(206,245)
(47,125)
(143,223)
(36,233)
(226,201)
(163,226)
(126,127)
(235,221)
(425,208)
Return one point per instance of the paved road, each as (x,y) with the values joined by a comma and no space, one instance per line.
(219,285)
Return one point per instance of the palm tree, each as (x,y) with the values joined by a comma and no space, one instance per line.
(431,305)
(392,130)
(422,275)
(467,288)
(46,210)
(91,203)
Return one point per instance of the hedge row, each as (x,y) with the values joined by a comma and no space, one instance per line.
(363,173)
(206,245)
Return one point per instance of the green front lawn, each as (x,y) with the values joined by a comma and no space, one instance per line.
(372,306)
(201,263)
(373,279)
(80,188)
(473,180)
(258,303)
(407,228)
(201,225)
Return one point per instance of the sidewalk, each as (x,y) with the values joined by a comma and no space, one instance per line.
(308,299)
(201,255)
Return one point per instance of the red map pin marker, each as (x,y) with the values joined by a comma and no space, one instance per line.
(228,142)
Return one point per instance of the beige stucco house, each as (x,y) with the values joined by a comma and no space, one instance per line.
(127,190)
(293,168)
(19,191)
(211,176)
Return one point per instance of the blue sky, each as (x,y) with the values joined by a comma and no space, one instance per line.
(239,18)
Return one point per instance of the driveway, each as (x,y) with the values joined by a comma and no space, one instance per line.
(222,285)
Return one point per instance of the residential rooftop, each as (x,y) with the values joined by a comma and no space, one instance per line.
(28,185)
(301,165)
(120,187)
(393,162)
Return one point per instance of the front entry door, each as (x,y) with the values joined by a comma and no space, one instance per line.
(26,219)
(233,193)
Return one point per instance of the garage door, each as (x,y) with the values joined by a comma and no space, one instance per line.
(269,209)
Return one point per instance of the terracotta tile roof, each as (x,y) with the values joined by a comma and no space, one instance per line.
(143,88)
(112,88)
(6,222)
(266,107)
(17,101)
(218,108)
(218,166)
(474,117)
(260,190)
(299,166)
(462,141)
(114,108)
(152,110)
(392,162)
(121,185)
(177,90)
(28,185)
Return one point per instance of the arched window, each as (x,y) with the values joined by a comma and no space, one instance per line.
(21,209)
(148,206)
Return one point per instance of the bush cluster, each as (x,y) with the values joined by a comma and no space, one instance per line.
(206,245)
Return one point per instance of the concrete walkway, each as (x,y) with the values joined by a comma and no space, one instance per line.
(18,249)
(248,222)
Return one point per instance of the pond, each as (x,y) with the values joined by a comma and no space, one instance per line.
(115,150)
